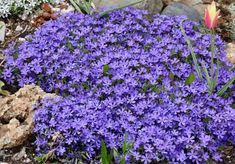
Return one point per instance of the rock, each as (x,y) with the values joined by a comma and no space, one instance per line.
(2,31)
(231,9)
(178,8)
(9,32)
(21,39)
(153,6)
(67,10)
(231,52)
(20,155)
(16,115)
(24,16)
(18,28)
(199,5)
(27,161)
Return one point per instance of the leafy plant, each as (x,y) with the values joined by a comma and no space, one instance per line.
(84,6)
(41,159)
(44,157)
(107,158)
(231,28)
(15,7)
(226,86)
(3,92)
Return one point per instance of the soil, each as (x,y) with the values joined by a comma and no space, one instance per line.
(27,157)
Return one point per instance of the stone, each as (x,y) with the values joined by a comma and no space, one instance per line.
(20,39)
(67,10)
(231,9)
(178,9)
(153,6)
(16,115)
(199,5)
(18,28)
(20,155)
(231,52)
(2,31)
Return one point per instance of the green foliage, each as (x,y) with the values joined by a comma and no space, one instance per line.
(108,158)
(231,28)
(190,79)
(16,7)
(105,69)
(84,6)
(198,70)
(41,159)
(3,92)
(226,86)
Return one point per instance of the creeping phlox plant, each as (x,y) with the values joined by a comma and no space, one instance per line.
(9,7)
(122,75)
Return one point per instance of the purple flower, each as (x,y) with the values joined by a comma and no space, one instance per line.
(124,75)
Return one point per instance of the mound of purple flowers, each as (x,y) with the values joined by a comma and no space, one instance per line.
(124,75)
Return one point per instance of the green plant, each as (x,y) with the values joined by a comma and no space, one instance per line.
(41,159)
(107,158)
(44,157)
(231,28)
(16,7)
(84,6)
(3,92)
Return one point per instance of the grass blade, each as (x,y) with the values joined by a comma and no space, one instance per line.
(226,86)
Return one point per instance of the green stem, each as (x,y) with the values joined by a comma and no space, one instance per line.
(214,76)
(212,53)
(226,86)
(191,50)
(75,5)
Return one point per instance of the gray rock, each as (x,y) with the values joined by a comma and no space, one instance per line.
(20,155)
(153,6)
(2,31)
(178,9)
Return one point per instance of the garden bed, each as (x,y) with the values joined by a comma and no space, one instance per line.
(126,81)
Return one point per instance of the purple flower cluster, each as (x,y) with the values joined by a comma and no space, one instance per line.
(124,75)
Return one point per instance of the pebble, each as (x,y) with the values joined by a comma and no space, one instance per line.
(19,155)
(21,39)
(18,28)
(69,9)
(231,53)
(9,33)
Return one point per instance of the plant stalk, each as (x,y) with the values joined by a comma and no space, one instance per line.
(191,50)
